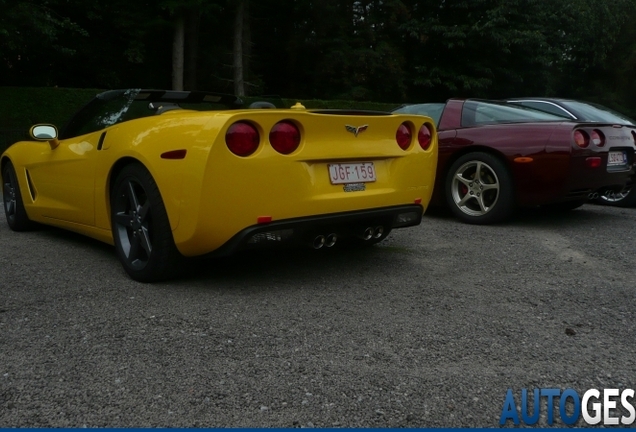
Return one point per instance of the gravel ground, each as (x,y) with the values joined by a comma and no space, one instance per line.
(429,328)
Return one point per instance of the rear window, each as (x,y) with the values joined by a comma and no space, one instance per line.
(548,107)
(598,113)
(476,113)
(433,110)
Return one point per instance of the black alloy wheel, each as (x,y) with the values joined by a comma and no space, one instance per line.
(12,199)
(140,226)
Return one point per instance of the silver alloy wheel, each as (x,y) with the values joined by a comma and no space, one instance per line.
(9,195)
(611,196)
(475,188)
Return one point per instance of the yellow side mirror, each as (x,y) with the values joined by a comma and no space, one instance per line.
(45,132)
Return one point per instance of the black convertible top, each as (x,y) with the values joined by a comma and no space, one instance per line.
(116,106)
(173,96)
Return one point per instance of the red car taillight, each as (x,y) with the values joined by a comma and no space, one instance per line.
(424,137)
(403,136)
(285,137)
(597,138)
(242,138)
(581,139)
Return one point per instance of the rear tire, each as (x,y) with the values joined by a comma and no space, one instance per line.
(624,198)
(479,189)
(14,211)
(140,226)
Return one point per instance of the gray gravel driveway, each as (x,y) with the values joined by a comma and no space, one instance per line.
(429,328)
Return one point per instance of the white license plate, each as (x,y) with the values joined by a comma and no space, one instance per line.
(616,158)
(342,173)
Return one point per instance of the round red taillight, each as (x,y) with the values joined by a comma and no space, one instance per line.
(597,138)
(285,137)
(242,139)
(424,136)
(581,138)
(403,136)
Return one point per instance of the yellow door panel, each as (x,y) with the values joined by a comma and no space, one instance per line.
(64,179)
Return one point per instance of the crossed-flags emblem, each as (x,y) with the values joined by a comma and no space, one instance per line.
(356,130)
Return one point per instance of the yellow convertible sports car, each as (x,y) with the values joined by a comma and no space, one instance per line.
(167,174)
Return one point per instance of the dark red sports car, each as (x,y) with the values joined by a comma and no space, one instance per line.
(582,111)
(494,157)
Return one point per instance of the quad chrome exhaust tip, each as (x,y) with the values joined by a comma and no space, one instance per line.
(367,234)
(378,232)
(372,233)
(331,239)
(319,242)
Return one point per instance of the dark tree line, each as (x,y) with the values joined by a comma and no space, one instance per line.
(379,50)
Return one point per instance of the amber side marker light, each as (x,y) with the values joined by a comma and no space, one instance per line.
(523,159)
(174,154)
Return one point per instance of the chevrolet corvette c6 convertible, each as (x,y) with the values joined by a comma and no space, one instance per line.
(582,111)
(165,174)
(494,157)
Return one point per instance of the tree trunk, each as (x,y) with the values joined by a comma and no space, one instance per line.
(247,43)
(192,49)
(178,48)
(239,85)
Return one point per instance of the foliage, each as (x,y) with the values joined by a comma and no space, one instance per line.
(505,48)
(22,107)
(362,50)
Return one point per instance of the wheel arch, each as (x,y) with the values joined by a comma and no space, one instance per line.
(474,149)
(172,208)
(119,165)
(477,149)
(3,163)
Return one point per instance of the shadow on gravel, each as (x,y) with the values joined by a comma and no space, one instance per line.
(242,267)
(285,264)
(589,214)
(75,240)
(541,217)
